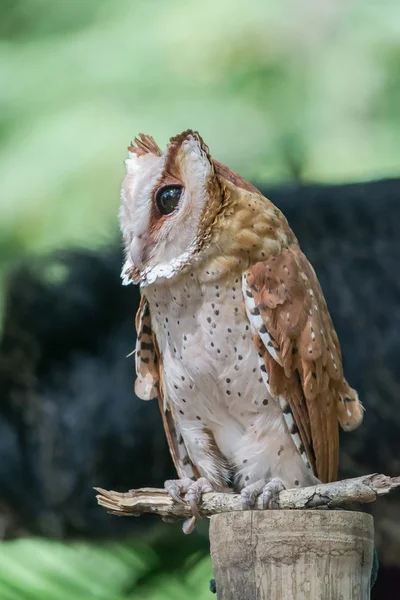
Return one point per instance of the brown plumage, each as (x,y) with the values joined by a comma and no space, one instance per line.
(308,364)
(234,335)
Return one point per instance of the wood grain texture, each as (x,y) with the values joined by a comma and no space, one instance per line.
(285,555)
(360,490)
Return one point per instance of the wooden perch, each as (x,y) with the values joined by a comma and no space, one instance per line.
(359,490)
(292,555)
(279,554)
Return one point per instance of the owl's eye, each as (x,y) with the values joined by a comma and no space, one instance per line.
(167,198)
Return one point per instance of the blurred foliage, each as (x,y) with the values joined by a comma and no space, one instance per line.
(47,570)
(279,89)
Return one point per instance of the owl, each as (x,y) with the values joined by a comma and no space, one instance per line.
(234,337)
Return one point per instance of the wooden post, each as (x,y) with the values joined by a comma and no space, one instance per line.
(292,555)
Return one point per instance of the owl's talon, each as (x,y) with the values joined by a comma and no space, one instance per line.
(250,494)
(194,493)
(177,488)
(269,491)
(187,490)
(189,525)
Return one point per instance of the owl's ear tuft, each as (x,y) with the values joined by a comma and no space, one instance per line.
(187,151)
(144,144)
(177,141)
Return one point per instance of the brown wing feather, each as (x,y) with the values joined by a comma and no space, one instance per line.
(304,359)
(149,384)
(147,375)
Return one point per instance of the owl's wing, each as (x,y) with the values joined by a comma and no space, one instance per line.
(149,384)
(300,357)
(147,369)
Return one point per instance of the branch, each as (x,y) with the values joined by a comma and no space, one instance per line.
(359,490)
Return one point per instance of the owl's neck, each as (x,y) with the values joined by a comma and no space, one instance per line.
(248,230)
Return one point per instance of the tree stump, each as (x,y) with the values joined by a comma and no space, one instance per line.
(292,555)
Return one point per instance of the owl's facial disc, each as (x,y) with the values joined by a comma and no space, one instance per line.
(165,196)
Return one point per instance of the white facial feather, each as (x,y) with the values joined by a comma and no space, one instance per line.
(164,252)
(142,174)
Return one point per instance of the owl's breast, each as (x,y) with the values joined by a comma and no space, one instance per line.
(209,359)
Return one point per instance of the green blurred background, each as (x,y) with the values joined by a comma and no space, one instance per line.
(280,90)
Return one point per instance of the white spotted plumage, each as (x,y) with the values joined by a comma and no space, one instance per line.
(250,388)
(215,384)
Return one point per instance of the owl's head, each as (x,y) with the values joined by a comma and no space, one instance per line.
(169,201)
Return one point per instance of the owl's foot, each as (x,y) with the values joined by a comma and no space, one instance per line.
(268,491)
(187,490)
